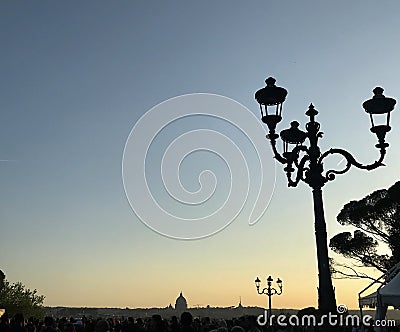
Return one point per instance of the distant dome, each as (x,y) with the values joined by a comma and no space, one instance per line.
(181,303)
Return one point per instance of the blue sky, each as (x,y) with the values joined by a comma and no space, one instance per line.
(75,78)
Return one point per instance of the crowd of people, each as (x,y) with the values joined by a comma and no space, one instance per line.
(155,323)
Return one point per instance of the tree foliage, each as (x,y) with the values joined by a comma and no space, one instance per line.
(16,298)
(377,219)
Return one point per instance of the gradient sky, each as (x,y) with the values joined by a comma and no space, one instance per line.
(75,78)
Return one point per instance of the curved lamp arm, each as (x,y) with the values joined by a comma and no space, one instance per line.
(330,175)
(277,155)
(300,172)
(299,148)
(264,291)
(274,291)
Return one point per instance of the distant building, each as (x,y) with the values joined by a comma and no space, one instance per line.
(181,304)
(240,309)
(240,303)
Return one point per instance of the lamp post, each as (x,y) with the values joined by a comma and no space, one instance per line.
(306,163)
(269,291)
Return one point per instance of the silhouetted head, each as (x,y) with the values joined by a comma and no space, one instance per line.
(252,320)
(102,326)
(222,323)
(237,328)
(69,327)
(156,324)
(156,318)
(49,321)
(186,318)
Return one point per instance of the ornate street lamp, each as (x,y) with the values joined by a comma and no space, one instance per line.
(306,163)
(269,291)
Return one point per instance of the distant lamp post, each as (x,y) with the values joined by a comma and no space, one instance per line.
(306,162)
(269,291)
